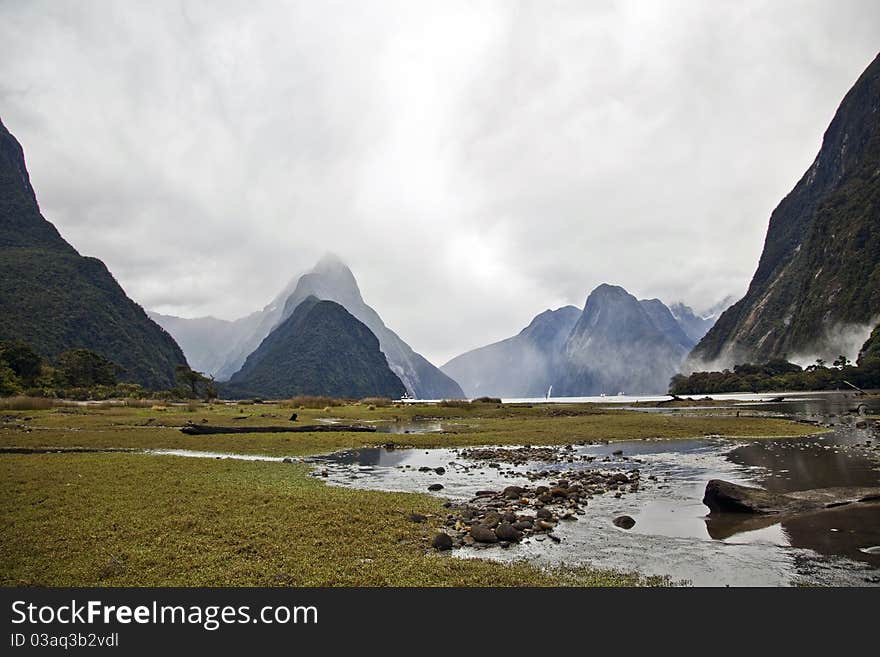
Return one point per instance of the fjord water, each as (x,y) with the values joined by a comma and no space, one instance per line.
(673,535)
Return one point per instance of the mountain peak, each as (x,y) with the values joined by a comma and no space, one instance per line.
(330,262)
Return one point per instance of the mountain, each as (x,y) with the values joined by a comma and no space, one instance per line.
(694,326)
(249,332)
(320,349)
(663,319)
(204,340)
(56,299)
(520,366)
(870,351)
(819,273)
(619,346)
(331,279)
(220,347)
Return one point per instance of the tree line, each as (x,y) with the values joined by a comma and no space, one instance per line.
(83,374)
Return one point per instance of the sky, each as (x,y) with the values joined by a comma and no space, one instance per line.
(474,163)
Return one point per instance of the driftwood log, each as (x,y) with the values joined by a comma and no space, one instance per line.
(205,430)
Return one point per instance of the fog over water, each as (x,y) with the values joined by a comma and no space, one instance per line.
(475,163)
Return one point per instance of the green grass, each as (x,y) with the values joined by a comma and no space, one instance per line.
(131,519)
(127,427)
(122,520)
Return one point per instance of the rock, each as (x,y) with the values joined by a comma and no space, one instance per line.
(483,534)
(416,517)
(624,522)
(442,542)
(287,459)
(724,496)
(491,520)
(522,525)
(617,452)
(485,493)
(512,492)
(440,471)
(544,514)
(558,491)
(507,532)
(293,417)
(435,487)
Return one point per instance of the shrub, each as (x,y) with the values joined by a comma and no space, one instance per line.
(22,403)
(379,402)
(312,401)
(455,403)
(486,400)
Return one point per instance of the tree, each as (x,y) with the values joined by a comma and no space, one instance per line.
(191,379)
(9,382)
(841,362)
(81,368)
(22,360)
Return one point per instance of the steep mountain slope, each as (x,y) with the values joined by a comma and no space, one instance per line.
(617,347)
(664,320)
(694,326)
(520,366)
(248,332)
(332,280)
(870,351)
(320,349)
(819,272)
(56,299)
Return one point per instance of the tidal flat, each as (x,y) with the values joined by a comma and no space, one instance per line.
(84,518)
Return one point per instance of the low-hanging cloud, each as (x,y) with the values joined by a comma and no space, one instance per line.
(474,163)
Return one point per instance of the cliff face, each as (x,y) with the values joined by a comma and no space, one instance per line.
(818,278)
(55,299)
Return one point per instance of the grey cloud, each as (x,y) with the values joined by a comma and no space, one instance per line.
(474,163)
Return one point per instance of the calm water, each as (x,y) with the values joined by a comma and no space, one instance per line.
(673,535)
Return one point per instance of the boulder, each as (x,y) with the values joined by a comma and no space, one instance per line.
(726,497)
(624,522)
(507,532)
(442,542)
(483,534)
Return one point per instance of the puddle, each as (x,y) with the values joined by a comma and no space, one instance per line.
(388,426)
(190,453)
(672,535)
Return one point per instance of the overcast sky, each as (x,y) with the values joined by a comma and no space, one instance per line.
(474,163)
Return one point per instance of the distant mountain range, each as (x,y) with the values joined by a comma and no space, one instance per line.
(521,366)
(319,349)
(816,291)
(616,344)
(221,348)
(55,299)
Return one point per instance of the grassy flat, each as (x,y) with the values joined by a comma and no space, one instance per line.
(115,519)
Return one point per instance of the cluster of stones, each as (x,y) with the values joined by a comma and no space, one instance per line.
(522,455)
(519,512)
